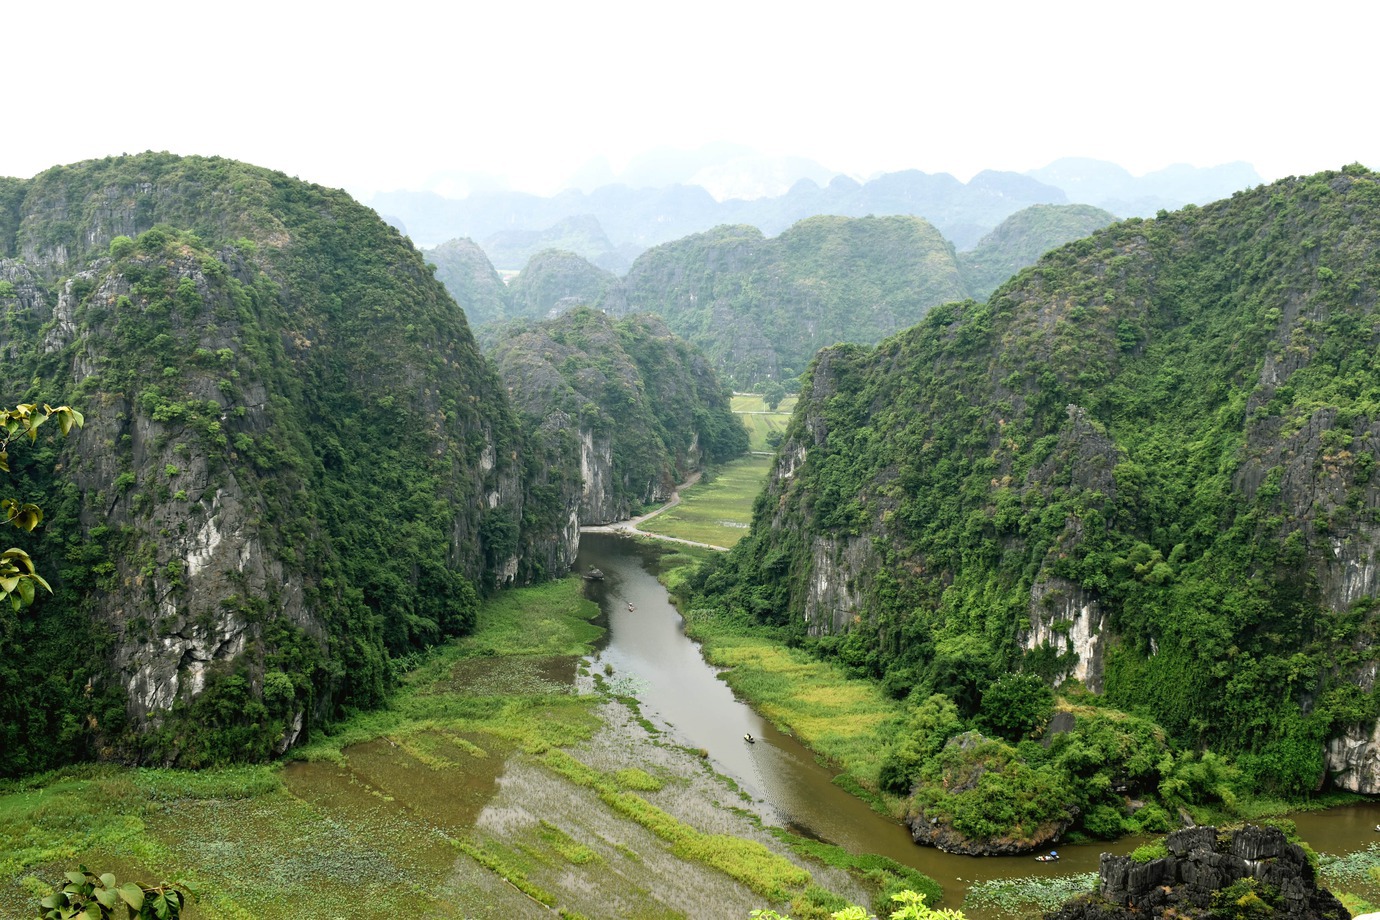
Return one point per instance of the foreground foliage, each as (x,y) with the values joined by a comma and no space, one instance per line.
(18,577)
(88,896)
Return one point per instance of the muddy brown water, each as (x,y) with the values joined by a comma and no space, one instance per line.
(653,660)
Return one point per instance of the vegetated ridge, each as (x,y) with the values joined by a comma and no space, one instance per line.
(470,278)
(554,281)
(1143,471)
(625,407)
(297,469)
(760,308)
(1021,239)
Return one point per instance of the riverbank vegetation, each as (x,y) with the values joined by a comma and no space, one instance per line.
(1068,753)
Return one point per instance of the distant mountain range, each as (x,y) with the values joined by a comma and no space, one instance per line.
(614,223)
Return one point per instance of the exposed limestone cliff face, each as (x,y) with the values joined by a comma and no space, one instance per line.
(598,499)
(1068,619)
(840,570)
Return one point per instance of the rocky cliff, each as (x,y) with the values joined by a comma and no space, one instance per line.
(1254,871)
(296,463)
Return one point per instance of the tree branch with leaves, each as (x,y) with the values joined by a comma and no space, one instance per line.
(18,577)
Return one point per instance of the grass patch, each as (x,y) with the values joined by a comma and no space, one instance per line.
(543,620)
(752,402)
(886,875)
(759,422)
(843,719)
(499,864)
(760,428)
(567,847)
(1021,895)
(717,511)
(637,780)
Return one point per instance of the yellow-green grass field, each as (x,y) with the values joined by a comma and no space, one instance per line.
(758,421)
(751,402)
(719,510)
(338,826)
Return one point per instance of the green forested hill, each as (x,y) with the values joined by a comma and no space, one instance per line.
(296,466)
(469,277)
(1147,462)
(760,308)
(1022,238)
(553,281)
(626,405)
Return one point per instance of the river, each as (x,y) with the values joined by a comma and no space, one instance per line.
(649,654)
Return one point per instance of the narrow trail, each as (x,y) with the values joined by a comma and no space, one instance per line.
(630,526)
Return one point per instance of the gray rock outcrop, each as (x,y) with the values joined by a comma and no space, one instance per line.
(1256,863)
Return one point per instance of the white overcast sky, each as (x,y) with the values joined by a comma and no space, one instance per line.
(378,96)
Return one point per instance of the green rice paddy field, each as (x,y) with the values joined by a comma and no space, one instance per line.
(717,510)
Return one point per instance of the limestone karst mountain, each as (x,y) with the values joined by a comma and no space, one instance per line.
(296,466)
(1148,463)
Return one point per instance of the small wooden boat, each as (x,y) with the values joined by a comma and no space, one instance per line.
(1052,857)
(749,739)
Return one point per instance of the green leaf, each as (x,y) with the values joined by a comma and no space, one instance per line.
(76,878)
(107,898)
(20,557)
(133,895)
(107,879)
